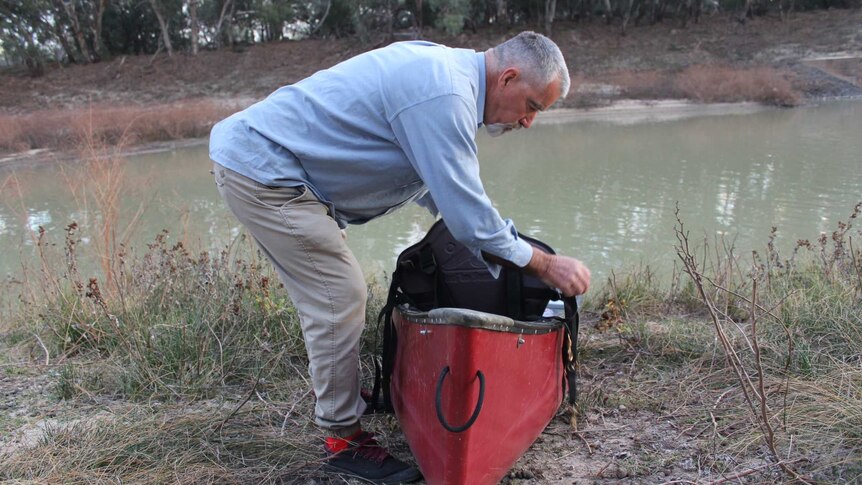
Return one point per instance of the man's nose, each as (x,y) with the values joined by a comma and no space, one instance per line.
(526,121)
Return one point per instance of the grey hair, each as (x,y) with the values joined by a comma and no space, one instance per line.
(537,56)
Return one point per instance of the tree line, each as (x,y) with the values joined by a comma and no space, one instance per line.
(36,32)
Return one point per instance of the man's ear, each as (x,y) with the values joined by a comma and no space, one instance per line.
(509,74)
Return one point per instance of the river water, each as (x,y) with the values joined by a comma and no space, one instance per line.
(602,188)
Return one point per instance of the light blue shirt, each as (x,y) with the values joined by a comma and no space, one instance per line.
(375,132)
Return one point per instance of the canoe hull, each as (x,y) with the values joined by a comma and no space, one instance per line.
(441,368)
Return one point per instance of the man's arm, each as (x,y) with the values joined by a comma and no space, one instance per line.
(437,136)
(568,275)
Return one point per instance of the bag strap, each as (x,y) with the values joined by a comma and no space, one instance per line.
(514,285)
(384,366)
(570,347)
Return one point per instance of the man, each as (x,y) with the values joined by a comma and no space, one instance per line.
(357,141)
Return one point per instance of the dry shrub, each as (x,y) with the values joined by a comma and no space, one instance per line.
(37,130)
(709,84)
(714,83)
(645,84)
(68,128)
(795,353)
(10,134)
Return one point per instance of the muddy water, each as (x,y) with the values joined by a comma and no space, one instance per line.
(603,188)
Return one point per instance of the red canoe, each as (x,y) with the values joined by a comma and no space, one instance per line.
(472,391)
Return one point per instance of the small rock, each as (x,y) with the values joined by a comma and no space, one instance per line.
(522,474)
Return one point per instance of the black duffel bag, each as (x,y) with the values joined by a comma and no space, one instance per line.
(440,272)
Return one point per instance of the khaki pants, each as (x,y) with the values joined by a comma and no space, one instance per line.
(324,281)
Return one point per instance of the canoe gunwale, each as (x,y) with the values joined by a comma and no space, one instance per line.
(476,319)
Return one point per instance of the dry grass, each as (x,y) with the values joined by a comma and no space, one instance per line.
(715,83)
(170,444)
(110,124)
(794,355)
(646,84)
(703,83)
(781,398)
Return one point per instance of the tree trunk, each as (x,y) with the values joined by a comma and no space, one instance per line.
(75,25)
(225,8)
(32,57)
(64,42)
(746,12)
(193,18)
(230,34)
(502,16)
(608,12)
(326,14)
(550,11)
(627,15)
(166,38)
(686,12)
(96,29)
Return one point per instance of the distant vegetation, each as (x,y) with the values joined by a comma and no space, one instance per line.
(36,32)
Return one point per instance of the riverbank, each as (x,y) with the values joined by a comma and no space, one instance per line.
(153,377)
(621,112)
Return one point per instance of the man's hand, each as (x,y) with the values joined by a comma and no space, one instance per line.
(568,275)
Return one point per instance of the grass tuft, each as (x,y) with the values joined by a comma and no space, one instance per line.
(172,445)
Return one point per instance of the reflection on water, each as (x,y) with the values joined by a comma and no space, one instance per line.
(601,191)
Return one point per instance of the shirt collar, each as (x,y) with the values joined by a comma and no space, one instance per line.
(480,100)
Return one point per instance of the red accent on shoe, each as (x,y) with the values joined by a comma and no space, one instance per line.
(365,458)
(334,444)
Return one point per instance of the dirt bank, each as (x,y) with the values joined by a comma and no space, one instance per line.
(607,66)
(135,101)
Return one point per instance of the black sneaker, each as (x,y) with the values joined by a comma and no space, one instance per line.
(364,458)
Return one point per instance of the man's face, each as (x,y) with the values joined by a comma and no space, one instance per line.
(514,103)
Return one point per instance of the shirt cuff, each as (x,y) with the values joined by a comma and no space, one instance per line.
(520,257)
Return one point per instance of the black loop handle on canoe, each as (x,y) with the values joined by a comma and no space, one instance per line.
(439,402)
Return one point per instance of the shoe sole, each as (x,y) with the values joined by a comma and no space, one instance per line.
(406,476)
